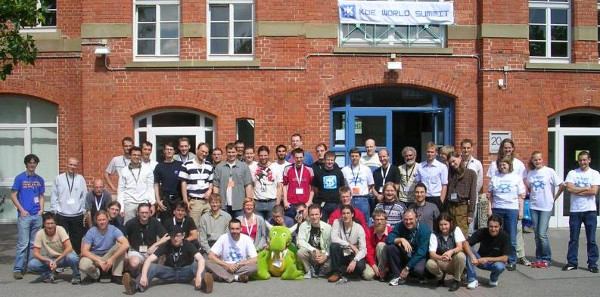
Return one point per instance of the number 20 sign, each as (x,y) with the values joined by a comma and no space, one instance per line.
(496,138)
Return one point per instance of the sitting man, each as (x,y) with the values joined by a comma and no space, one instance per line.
(182,220)
(142,233)
(103,250)
(183,263)
(213,224)
(233,257)
(59,253)
(407,248)
(114,215)
(314,238)
(494,248)
(377,256)
(346,199)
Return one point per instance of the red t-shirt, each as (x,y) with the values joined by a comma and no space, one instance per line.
(299,182)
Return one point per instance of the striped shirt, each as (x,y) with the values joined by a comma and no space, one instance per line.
(197,176)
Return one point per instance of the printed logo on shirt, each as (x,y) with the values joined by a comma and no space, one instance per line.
(31,184)
(234,254)
(330,182)
(537,184)
(582,182)
(502,187)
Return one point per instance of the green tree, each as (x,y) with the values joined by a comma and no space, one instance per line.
(16,48)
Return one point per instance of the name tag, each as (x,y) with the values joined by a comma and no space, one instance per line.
(453,197)
(143,249)
(380,190)
(355,191)
(299,191)
(36,200)
(277,263)
(406,189)
(231,184)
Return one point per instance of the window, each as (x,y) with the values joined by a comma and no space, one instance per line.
(549,30)
(156,29)
(245,131)
(49,14)
(230,29)
(27,125)
(394,35)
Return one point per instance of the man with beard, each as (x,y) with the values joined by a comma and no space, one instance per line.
(267,183)
(96,199)
(408,173)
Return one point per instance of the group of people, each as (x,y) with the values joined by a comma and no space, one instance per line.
(198,218)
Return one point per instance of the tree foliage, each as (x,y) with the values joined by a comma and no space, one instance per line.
(16,48)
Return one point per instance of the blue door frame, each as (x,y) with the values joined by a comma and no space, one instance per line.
(368,112)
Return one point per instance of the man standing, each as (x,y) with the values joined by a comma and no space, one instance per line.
(147,155)
(360,179)
(434,174)
(314,238)
(213,224)
(142,233)
(296,142)
(183,263)
(68,202)
(583,183)
(384,174)
(55,243)
(297,181)
(167,187)
(326,185)
(267,183)
(96,199)
(27,193)
(217,156)
(407,248)
(320,150)
(426,212)
(119,162)
(249,156)
(233,257)
(371,159)
(196,178)
(184,155)
(466,147)
(408,174)
(239,149)
(136,185)
(233,180)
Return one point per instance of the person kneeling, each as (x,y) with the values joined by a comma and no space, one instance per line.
(446,251)
(183,262)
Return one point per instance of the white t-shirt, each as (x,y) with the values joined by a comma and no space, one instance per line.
(518,168)
(231,251)
(265,181)
(506,189)
(542,184)
(433,242)
(280,167)
(580,178)
(116,164)
(358,178)
(371,162)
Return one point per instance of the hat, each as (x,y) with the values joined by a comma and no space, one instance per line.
(176,230)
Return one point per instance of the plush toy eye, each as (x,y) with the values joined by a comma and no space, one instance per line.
(274,233)
(283,235)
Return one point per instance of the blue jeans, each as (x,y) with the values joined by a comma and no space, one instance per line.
(362,203)
(495,267)
(540,228)
(27,227)
(71,260)
(328,208)
(509,224)
(169,274)
(588,218)
(265,208)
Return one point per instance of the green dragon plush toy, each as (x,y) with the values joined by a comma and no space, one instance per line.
(280,259)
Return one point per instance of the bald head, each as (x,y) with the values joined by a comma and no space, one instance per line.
(370,147)
(98,186)
(72,165)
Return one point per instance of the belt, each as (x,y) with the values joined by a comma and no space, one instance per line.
(197,198)
(265,200)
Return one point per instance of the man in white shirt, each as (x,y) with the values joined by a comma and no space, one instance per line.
(233,256)
(117,163)
(466,147)
(434,174)
(371,159)
(68,202)
(583,184)
(267,183)
(360,179)
(136,185)
(146,155)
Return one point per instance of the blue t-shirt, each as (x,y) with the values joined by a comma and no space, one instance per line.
(29,188)
(101,243)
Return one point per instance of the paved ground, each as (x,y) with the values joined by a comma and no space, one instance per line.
(525,281)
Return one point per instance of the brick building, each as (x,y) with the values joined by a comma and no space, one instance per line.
(217,70)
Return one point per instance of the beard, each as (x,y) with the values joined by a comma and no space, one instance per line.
(410,163)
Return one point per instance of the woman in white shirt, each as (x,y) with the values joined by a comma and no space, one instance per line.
(446,251)
(506,194)
(542,182)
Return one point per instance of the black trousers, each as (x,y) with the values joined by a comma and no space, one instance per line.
(398,259)
(74,227)
(169,202)
(339,262)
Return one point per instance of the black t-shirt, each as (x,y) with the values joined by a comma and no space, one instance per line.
(167,175)
(393,175)
(117,222)
(187,225)
(314,238)
(177,256)
(491,246)
(143,235)
(328,182)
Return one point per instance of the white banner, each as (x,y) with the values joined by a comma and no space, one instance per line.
(396,13)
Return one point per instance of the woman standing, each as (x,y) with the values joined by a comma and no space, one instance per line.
(253,225)
(348,246)
(542,182)
(461,196)
(506,194)
(446,252)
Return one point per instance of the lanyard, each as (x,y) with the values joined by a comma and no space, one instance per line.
(70,186)
(98,204)
(355,176)
(347,234)
(249,230)
(175,223)
(391,208)
(177,255)
(299,179)
(138,176)
(142,229)
(386,173)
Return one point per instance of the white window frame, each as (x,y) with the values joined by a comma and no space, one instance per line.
(230,56)
(157,57)
(39,27)
(549,6)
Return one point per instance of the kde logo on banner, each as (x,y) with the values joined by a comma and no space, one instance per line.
(348,11)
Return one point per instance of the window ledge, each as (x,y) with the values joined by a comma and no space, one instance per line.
(393,50)
(562,66)
(193,64)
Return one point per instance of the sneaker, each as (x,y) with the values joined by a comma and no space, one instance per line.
(243,278)
(543,264)
(333,278)
(18,275)
(569,267)
(593,269)
(397,281)
(129,284)
(342,281)
(454,286)
(76,280)
(493,284)
(511,267)
(308,275)
(524,261)
(207,283)
(49,279)
(472,285)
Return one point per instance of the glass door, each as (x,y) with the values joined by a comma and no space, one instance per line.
(369,124)
(161,136)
